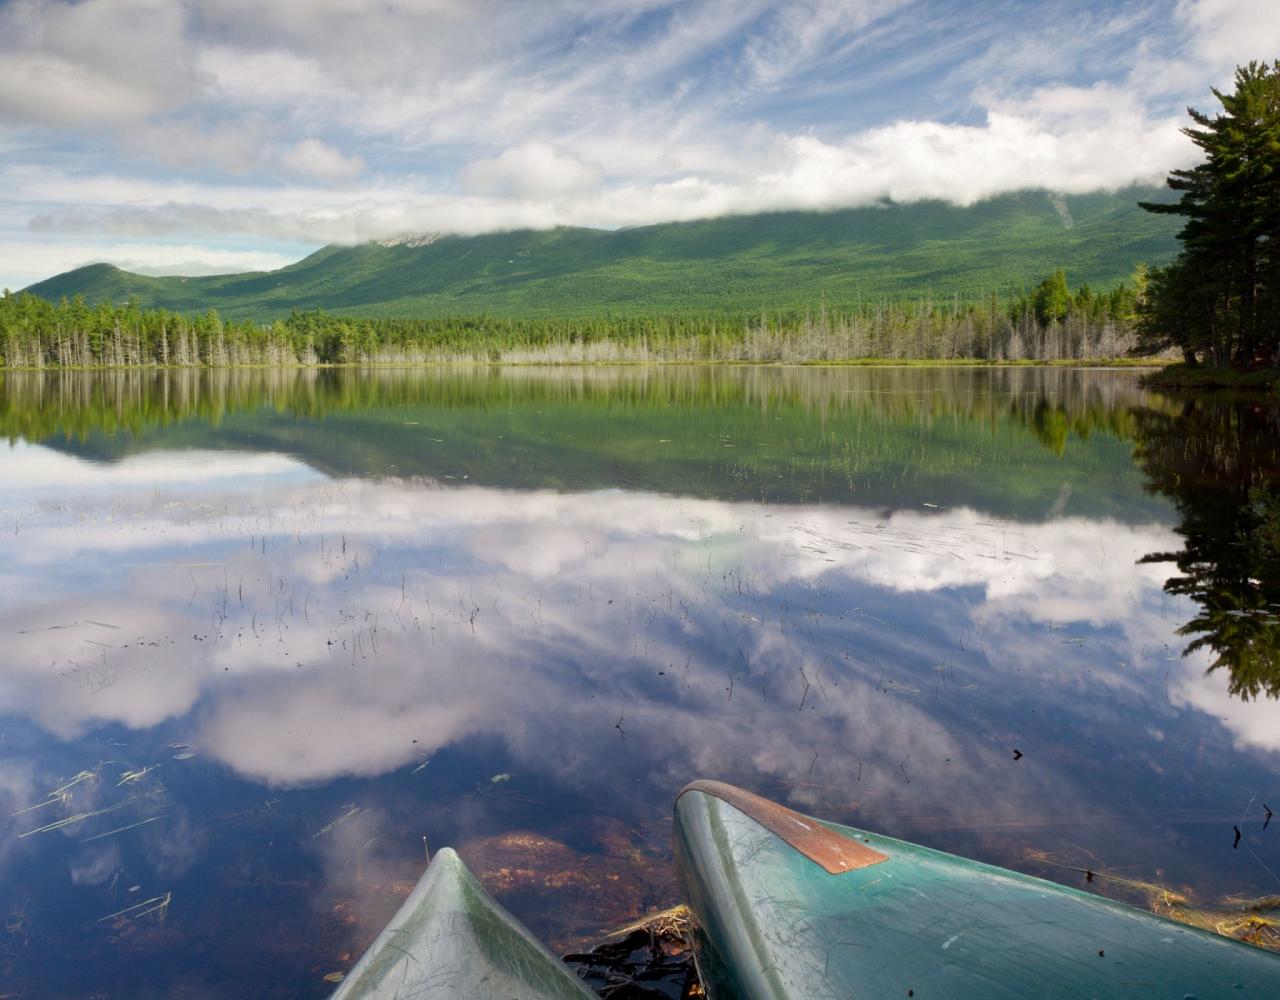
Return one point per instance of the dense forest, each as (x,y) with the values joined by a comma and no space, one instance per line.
(1050,323)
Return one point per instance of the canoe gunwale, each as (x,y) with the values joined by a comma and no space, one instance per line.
(830,850)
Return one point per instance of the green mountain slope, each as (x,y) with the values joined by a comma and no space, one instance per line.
(737,263)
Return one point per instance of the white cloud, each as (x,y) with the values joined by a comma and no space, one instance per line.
(275,77)
(534,170)
(1253,723)
(235,148)
(1070,140)
(98,64)
(47,91)
(44,471)
(29,261)
(316,159)
(1214,37)
(1225,33)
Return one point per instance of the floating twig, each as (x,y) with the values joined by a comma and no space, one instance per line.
(353,811)
(154,904)
(77,818)
(122,829)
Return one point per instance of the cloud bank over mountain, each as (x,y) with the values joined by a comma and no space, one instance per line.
(268,129)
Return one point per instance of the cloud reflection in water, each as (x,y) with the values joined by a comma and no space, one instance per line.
(316,628)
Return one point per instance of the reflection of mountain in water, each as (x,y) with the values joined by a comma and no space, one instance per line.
(1219,461)
(994,440)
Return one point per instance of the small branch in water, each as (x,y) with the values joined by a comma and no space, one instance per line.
(78,818)
(156,904)
(122,829)
(352,811)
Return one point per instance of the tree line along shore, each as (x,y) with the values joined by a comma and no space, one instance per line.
(1051,323)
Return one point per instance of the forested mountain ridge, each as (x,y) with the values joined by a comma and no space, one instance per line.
(784,260)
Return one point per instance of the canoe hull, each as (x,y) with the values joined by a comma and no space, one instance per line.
(451,940)
(775,925)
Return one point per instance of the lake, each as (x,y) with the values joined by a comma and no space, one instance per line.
(272,635)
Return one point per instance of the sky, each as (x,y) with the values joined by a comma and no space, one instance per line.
(208,136)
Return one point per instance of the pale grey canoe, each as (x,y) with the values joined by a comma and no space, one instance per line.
(451,940)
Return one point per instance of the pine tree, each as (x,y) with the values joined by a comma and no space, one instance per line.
(1228,273)
(1051,299)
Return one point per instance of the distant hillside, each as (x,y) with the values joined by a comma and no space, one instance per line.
(739,263)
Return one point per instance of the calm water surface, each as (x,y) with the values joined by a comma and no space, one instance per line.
(264,632)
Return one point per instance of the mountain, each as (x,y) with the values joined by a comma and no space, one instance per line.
(735,263)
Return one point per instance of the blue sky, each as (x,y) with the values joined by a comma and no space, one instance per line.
(223,135)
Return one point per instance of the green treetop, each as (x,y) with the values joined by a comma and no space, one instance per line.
(1053,298)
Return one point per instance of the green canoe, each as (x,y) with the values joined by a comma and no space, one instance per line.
(452,941)
(793,907)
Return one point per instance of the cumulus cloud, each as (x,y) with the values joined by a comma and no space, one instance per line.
(46,91)
(316,159)
(100,63)
(533,170)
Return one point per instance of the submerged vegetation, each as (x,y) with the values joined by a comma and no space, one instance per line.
(1255,920)
(1052,323)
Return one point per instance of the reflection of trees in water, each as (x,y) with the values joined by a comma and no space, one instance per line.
(1219,461)
(1053,401)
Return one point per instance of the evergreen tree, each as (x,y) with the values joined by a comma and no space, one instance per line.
(1225,284)
(1052,299)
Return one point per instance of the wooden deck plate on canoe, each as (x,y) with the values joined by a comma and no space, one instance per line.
(816,842)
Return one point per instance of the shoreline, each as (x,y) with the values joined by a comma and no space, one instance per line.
(1183,376)
(1083,363)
